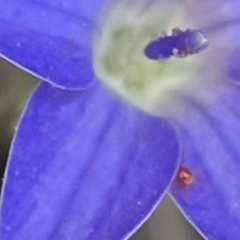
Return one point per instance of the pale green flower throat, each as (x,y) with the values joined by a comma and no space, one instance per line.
(135,57)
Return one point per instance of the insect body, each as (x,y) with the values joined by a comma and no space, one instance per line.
(180,44)
(188,42)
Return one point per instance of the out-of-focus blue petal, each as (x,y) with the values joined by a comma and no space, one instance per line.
(233,67)
(209,134)
(85,165)
(52,39)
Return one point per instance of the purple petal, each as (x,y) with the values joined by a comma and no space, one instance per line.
(209,132)
(51,39)
(232,69)
(85,166)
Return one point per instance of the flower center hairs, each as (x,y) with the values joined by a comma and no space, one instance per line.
(145,52)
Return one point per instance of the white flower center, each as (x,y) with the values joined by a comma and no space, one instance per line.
(120,62)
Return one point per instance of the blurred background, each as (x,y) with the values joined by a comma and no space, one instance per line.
(16,86)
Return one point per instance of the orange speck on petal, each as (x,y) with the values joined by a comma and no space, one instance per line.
(185,176)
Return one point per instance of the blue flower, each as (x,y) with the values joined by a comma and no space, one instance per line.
(109,131)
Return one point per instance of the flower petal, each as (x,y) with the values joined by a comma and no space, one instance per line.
(51,39)
(209,133)
(85,165)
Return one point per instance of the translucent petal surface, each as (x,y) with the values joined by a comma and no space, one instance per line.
(52,39)
(85,166)
(209,134)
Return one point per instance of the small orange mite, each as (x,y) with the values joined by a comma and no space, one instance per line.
(185,176)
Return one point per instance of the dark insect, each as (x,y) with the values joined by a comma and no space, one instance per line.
(180,44)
